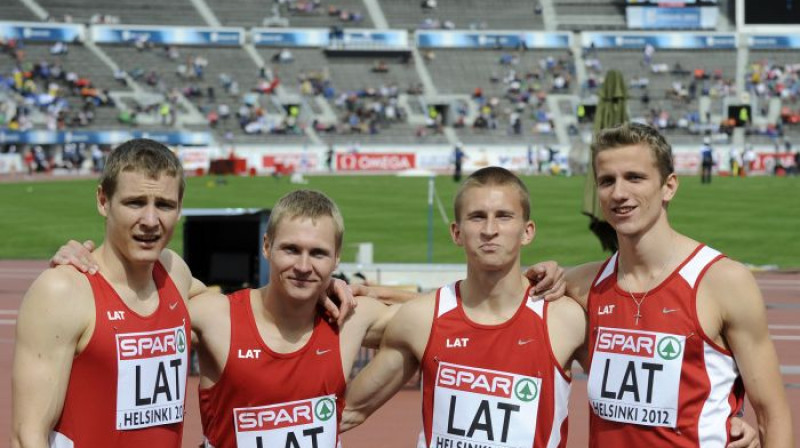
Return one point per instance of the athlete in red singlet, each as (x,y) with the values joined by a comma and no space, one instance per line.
(498,385)
(132,373)
(262,399)
(675,328)
(663,381)
(272,370)
(495,364)
(101,360)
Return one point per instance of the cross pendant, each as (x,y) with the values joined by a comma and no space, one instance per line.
(638,316)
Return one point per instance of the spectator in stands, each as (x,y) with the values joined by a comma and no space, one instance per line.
(284,56)
(59,48)
(380,66)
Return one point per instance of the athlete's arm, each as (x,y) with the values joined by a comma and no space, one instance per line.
(375,316)
(49,330)
(567,329)
(386,294)
(393,365)
(548,280)
(732,288)
(79,255)
(579,281)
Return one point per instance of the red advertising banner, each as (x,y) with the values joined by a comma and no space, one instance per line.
(289,162)
(373,161)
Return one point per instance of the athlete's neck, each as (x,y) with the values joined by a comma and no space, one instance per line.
(493,293)
(117,270)
(293,318)
(655,253)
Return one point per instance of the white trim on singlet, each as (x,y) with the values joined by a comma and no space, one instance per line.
(722,373)
(537,306)
(691,270)
(58,440)
(447,299)
(608,270)
(560,408)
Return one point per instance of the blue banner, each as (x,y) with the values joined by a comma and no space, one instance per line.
(369,39)
(42,32)
(173,138)
(672,18)
(774,41)
(178,35)
(661,40)
(290,37)
(491,39)
(353,38)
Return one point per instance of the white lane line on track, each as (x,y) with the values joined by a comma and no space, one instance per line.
(8,312)
(777,337)
(8,321)
(784,327)
(790,370)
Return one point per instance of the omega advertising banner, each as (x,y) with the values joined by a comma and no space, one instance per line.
(375,161)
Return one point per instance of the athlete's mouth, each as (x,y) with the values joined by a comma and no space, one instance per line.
(624,209)
(147,238)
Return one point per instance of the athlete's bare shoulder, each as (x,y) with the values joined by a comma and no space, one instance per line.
(59,300)
(579,281)
(411,326)
(178,271)
(566,326)
(209,311)
(728,279)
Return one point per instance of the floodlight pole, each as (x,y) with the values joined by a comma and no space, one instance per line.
(430,218)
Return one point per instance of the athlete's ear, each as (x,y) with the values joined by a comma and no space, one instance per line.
(455,233)
(670,188)
(102,202)
(528,233)
(265,246)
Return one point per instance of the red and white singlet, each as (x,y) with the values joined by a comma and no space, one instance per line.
(265,399)
(492,385)
(127,387)
(663,382)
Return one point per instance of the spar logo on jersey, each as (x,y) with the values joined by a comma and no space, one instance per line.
(266,418)
(633,343)
(151,345)
(324,409)
(669,348)
(526,390)
(478,381)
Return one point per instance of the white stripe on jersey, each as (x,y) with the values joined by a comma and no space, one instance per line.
(561,398)
(691,270)
(447,299)
(609,269)
(722,372)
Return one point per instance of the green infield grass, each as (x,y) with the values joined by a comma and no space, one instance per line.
(755,220)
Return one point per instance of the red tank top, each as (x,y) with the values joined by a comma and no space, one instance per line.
(492,385)
(127,387)
(662,382)
(265,399)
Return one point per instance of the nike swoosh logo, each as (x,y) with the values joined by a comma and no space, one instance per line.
(524,341)
(668,310)
(173,305)
(322,352)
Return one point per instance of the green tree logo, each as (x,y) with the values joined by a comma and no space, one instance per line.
(526,390)
(669,348)
(324,409)
(181,340)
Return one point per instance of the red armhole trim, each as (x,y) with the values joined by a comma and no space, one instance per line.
(696,320)
(433,329)
(553,358)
